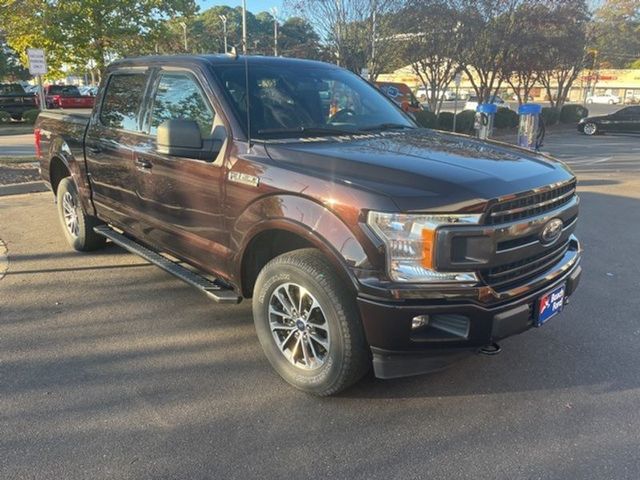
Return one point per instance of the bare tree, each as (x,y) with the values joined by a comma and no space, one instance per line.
(357,31)
(431,43)
(564,50)
(489,30)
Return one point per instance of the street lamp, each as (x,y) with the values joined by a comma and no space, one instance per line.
(224,30)
(184,33)
(274,13)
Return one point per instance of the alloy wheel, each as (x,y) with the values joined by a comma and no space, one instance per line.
(70,213)
(590,129)
(299,326)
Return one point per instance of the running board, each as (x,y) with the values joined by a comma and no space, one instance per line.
(210,288)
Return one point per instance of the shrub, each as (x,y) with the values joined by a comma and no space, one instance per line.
(464,121)
(4,117)
(30,116)
(445,121)
(426,119)
(550,116)
(505,118)
(573,113)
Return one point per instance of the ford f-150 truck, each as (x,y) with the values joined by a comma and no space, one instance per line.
(66,96)
(15,101)
(362,240)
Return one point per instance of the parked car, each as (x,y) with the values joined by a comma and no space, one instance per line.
(363,240)
(66,96)
(88,90)
(472,102)
(402,95)
(625,120)
(632,100)
(424,95)
(606,98)
(15,101)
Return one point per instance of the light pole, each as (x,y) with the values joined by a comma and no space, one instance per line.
(274,13)
(184,34)
(244,27)
(224,30)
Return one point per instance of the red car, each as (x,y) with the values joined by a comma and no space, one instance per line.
(66,96)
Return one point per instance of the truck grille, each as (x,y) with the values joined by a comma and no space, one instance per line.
(517,273)
(531,205)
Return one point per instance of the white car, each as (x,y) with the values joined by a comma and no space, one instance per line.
(607,98)
(472,103)
(423,94)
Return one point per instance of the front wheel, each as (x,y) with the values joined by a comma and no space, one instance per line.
(76,224)
(590,129)
(308,323)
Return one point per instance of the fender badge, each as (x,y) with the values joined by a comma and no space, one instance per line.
(243,178)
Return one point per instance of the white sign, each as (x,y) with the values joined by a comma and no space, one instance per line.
(37,61)
(457,79)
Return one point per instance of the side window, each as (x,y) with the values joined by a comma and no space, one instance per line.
(122,101)
(179,96)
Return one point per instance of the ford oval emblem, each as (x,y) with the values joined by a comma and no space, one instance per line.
(551,231)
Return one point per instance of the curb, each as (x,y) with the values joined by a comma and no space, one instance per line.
(18,188)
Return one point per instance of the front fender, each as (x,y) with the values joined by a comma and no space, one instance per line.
(309,220)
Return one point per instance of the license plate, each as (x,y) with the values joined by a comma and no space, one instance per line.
(550,304)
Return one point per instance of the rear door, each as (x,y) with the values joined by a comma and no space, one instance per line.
(180,199)
(113,133)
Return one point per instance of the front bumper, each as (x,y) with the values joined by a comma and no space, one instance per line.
(400,351)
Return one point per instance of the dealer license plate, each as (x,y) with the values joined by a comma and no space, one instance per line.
(550,304)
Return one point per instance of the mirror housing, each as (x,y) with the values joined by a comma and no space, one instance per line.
(179,137)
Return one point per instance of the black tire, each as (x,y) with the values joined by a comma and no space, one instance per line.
(347,358)
(82,238)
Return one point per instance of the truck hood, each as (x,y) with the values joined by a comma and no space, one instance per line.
(423,169)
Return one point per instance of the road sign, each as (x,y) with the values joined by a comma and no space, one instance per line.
(37,61)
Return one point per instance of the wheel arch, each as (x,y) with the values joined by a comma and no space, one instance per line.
(265,233)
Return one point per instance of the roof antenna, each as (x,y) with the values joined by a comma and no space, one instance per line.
(233,53)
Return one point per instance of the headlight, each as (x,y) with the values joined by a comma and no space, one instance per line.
(410,242)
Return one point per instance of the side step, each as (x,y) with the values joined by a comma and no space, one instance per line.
(210,288)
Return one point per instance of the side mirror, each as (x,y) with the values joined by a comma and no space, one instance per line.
(180,137)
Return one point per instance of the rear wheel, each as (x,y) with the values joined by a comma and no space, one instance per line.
(76,224)
(590,129)
(308,324)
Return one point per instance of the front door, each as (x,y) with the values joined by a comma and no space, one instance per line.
(180,198)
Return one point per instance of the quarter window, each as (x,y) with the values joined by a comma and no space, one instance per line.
(122,101)
(179,96)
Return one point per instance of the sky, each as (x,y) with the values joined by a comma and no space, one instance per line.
(254,6)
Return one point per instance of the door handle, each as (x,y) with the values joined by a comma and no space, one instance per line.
(143,165)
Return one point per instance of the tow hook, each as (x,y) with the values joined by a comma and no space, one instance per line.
(490,349)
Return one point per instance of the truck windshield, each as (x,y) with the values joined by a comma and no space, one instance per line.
(64,90)
(11,89)
(289,101)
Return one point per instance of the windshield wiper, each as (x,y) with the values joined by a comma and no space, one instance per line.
(386,126)
(307,131)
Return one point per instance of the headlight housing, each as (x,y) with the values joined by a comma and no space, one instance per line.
(410,241)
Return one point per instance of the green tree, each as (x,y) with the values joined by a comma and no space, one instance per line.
(80,32)
(616,33)
(10,67)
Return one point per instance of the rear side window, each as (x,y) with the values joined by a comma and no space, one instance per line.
(122,101)
(179,96)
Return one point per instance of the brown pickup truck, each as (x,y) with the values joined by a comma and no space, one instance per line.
(362,240)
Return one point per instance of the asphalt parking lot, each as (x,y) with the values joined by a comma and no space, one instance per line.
(110,368)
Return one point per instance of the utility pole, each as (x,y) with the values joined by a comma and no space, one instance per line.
(373,39)
(184,34)
(244,27)
(274,13)
(224,30)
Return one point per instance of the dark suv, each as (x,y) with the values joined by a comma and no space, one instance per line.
(362,239)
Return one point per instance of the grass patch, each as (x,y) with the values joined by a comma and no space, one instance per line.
(10,160)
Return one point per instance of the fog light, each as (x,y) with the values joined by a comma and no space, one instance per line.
(419,321)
